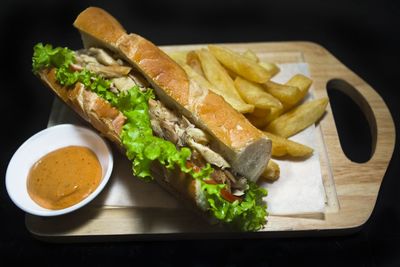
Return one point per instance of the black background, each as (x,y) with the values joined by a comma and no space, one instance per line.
(364,35)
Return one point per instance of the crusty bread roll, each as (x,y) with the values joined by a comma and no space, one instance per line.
(236,139)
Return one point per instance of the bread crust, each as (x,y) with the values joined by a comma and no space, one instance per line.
(156,65)
(95,110)
(235,137)
(109,29)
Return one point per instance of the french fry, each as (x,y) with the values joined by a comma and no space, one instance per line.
(251,55)
(201,80)
(283,147)
(298,118)
(222,83)
(253,94)
(192,59)
(261,113)
(240,64)
(288,95)
(272,68)
(274,113)
(261,118)
(302,82)
(271,172)
(178,56)
(231,73)
(258,122)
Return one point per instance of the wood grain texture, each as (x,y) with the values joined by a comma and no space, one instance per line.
(351,188)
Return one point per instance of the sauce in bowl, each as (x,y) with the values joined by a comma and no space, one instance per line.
(64,177)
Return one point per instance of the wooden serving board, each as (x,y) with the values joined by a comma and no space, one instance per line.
(351,188)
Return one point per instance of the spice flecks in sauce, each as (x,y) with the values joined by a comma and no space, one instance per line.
(64,177)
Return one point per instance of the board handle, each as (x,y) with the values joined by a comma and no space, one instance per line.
(382,129)
(377,114)
(358,99)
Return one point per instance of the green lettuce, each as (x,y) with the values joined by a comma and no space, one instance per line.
(248,214)
(142,147)
(45,56)
(93,82)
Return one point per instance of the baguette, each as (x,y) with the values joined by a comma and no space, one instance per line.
(238,141)
(183,114)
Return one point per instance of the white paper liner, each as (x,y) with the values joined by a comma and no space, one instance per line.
(299,190)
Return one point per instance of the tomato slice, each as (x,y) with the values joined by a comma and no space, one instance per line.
(189,164)
(210,181)
(224,193)
(228,196)
(195,168)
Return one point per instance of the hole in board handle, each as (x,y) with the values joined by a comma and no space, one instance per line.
(354,120)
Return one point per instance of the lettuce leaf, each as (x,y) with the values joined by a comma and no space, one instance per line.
(248,214)
(45,56)
(142,147)
(91,81)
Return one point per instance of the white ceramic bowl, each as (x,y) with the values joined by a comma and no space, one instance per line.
(39,145)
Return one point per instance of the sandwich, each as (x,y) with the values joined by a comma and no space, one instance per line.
(173,130)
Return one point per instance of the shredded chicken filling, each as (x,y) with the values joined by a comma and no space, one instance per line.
(164,122)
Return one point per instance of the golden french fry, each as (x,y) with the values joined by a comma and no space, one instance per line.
(192,59)
(274,113)
(231,73)
(262,117)
(222,83)
(272,68)
(251,55)
(240,64)
(288,95)
(282,147)
(261,113)
(201,80)
(298,118)
(178,56)
(254,94)
(272,172)
(258,122)
(302,82)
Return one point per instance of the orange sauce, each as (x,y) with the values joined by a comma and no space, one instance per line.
(64,177)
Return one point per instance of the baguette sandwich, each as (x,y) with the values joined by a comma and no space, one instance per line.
(184,136)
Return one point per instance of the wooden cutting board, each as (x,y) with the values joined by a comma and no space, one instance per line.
(351,188)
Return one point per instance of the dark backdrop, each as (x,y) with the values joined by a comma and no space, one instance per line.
(364,35)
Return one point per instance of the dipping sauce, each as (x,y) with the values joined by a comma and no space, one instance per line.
(64,177)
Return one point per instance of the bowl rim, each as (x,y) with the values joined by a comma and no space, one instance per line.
(48,212)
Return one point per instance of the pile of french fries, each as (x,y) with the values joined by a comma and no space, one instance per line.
(279,110)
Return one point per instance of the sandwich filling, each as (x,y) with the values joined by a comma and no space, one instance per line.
(149,132)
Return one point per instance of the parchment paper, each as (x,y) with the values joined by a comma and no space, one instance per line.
(299,190)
